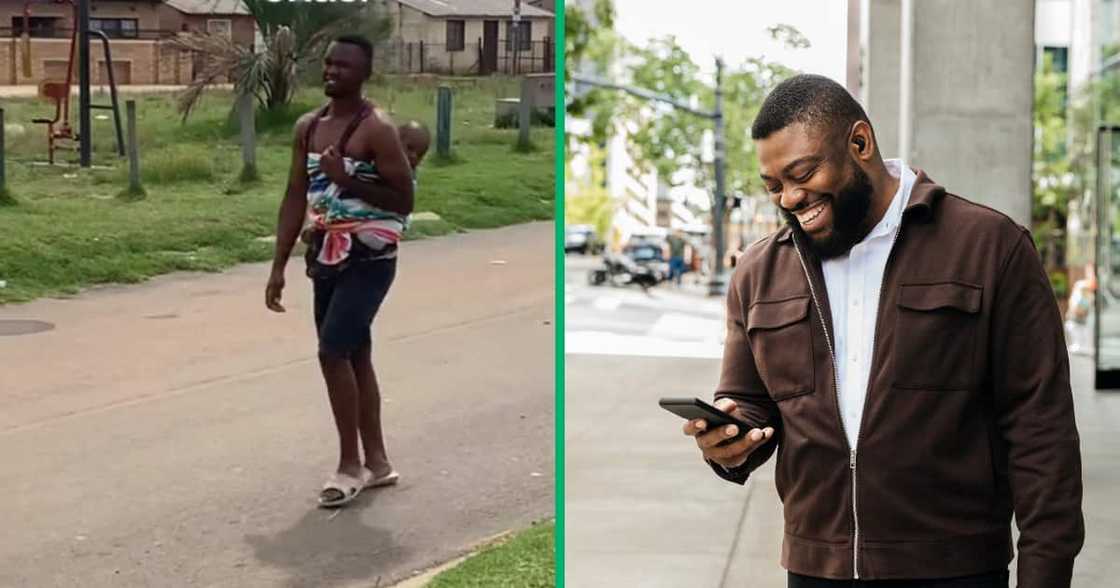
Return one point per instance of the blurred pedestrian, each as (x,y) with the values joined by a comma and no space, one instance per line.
(677,249)
(1079,311)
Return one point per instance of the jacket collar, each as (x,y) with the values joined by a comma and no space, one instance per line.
(923,198)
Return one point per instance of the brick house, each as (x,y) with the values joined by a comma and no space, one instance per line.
(228,17)
(465,37)
(139,33)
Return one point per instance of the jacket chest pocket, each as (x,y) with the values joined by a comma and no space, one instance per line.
(781,341)
(935,336)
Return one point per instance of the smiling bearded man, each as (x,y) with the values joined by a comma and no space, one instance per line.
(901,350)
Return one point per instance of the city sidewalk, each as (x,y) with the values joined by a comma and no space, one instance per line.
(177,433)
(643,510)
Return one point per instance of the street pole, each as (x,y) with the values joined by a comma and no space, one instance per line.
(443,122)
(84,131)
(3,179)
(515,42)
(134,189)
(716,286)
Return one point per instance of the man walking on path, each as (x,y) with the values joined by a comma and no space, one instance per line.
(331,145)
(901,349)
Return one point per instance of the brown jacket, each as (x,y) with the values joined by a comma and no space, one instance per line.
(968,418)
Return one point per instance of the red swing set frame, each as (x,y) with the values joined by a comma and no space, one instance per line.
(58,92)
(55,91)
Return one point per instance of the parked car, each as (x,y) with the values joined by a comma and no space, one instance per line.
(582,239)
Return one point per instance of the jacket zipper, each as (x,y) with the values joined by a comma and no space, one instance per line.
(836,390)
(874,336)
(836,386)
(855,512)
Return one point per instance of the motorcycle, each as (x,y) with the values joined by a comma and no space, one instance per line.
(620,270)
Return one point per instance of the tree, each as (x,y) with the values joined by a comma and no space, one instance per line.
(1058,200)
(591,46)
(660,136)
(670,140)
(590,203)
(293,35)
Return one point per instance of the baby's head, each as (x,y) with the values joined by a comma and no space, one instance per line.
(415,139)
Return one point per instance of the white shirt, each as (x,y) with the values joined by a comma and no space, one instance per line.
(853,282)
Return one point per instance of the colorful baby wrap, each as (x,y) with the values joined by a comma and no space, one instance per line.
(345,218)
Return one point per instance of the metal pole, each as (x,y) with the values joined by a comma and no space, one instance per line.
(515,42)
(114,104)
(3,184)
(1098,225)
(133,149)
(525,113)
(443,122)
(247,122)
(716,286)
(84,126)
(642,93)
(742,223)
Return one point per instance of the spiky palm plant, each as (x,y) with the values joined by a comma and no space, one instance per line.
(293,34)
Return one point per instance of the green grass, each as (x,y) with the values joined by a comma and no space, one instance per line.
(66,228)
(525,561)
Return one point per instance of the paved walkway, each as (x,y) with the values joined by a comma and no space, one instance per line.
(176,433)
(643,510)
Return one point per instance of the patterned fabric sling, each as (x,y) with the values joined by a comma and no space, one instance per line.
(346,227)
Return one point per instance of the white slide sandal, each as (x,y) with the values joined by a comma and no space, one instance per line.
(348,488)
(389,479)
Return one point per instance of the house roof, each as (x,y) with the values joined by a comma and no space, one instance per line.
(474,8)
(209,6)
(549,5)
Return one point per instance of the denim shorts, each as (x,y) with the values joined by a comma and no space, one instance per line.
(346,304)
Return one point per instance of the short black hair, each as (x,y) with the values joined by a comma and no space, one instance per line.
(811,100)
(362,43)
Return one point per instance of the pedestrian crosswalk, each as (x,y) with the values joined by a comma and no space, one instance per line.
(627,321)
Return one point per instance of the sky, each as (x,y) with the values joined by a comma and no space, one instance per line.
(737,30)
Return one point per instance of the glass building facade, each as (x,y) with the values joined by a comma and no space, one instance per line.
(1102,180)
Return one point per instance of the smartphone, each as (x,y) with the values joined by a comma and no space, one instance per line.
(694,408)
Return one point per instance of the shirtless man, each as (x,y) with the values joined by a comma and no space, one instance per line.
(347,295)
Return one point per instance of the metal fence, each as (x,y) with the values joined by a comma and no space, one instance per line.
(400,57)
(66,33)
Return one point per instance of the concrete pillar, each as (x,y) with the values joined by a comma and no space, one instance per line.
(881,31)
(852,72)
(963,97)
(971,95)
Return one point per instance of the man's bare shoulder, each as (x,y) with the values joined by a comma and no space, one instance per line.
(304,122)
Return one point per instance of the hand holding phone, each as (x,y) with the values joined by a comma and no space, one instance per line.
(720,431)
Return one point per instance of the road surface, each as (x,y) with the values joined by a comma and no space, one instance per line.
(176,433)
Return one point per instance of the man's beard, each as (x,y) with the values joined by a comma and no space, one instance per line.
(850,208)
